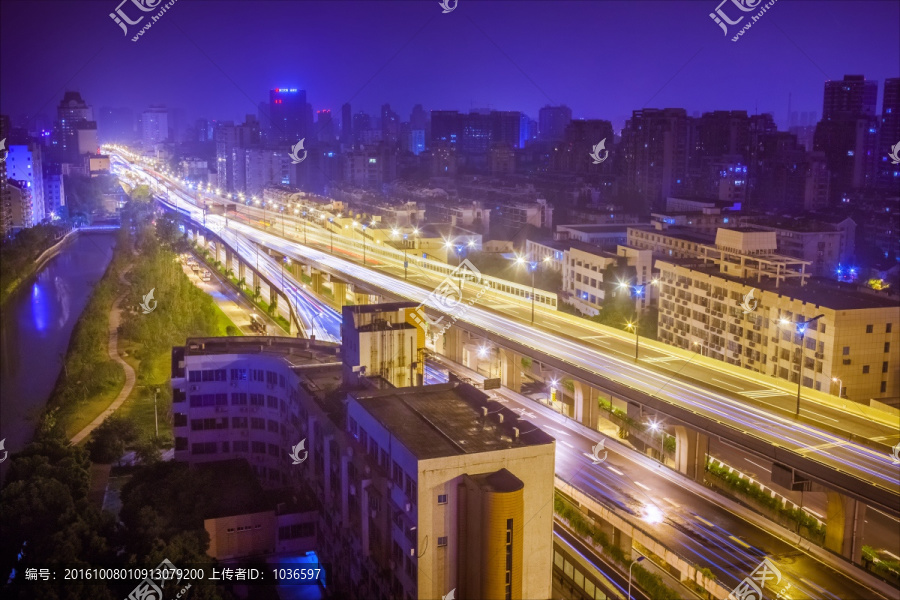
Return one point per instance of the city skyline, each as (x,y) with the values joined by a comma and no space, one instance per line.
(486,66)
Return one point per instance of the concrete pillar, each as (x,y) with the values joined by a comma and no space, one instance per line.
(453,344)
(511,369)
(844,525)
(240,269)
(340,293)
(623,541)
(691,448)
(585,404)
(316,281)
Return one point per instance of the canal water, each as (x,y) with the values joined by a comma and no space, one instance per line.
(36,324)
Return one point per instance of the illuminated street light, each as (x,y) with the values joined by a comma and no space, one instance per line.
(840,383)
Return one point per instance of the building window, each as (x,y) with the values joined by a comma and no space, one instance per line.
(870,328)
(884,369)
(442,498)
(272,402)
(887,346)
(238,398)
(398,474)
(883,386)
(887,328)
(865,369)
(442,541)
(846,351)
(239,374)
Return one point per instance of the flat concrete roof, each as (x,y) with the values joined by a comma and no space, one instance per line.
(447,420)
(296,351)
(817,291)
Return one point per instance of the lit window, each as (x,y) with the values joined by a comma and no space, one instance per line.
(442,541)
(442,498)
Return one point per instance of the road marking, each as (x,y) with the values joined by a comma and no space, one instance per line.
(662,359)
(758,465)
(567,444)
(614,470)
(737,387)
(821,447)
(767,393)
(822,416)
(702,520)
(638,483)
(676,505)
(556,430)
(744,544)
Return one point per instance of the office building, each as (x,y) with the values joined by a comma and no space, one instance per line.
(552,122)
(290,116)
(572,154)
(55,191)
(21,213)
(24,163)
(232,141)
(592,275)
(853,96)
(370,166)
(154,126)
(324,126)
(6,221)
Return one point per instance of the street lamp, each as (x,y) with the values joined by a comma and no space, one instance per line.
(654,427)
(363,233)
(331,231)
(640,558)
(801,331)
(840,383)
(634,327)
(532,266)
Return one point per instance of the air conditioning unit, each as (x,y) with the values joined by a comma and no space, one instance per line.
(194,388)
(408,507)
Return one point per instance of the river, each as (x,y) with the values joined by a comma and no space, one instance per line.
(36,324)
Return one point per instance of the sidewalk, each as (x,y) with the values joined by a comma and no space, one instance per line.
(115,318)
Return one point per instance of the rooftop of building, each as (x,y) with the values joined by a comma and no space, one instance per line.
(377,308)
(801,225)
(600,227)
(500,481)
(822,292)
(243,494)
(297,352)
(448,420)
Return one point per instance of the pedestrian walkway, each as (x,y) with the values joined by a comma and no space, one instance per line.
(115,318)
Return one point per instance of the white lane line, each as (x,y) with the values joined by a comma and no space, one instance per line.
(567,444)
(758,465)
(675,504)
(737,387)
(822,416)
(556,430)
(702,520)
(638,483)
(615,470)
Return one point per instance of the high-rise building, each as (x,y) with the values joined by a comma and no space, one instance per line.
(889,135)
(54,191)
(290,116)
(346,124)
(655,154)
(847,135)
(24,164)
(572,154)
(852,97)
(552,122)
(361,123)
(87,139)
(418,118)
(370,166)
(390,125)
(445,127)
(154,126)
(324,126)
(71,111)
(231,143)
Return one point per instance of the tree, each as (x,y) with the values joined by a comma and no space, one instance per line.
(109,440)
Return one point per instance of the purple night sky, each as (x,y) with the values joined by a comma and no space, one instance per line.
(602,58)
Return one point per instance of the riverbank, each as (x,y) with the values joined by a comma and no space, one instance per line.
(21,266)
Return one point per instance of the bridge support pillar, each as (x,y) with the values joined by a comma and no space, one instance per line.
(844,526)
(691,448)
(623,541)
(511,370)
(339,288)
(315,281)
(585,410)
(453,344)
(221,254)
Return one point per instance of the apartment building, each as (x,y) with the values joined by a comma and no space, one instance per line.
(586,272)
(422,490)
(854,342)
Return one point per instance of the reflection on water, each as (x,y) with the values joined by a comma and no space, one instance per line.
(35,327)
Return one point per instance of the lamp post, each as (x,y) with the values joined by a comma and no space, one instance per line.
(282,222)
(363,234)
(840,383)
(640,558)
(801,331)
(331,231)
(532,266)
